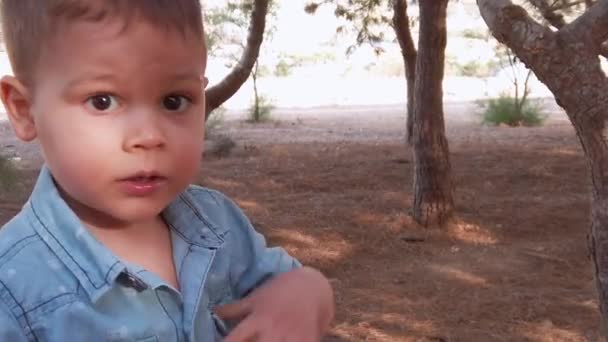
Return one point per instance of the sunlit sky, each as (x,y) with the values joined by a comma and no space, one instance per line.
(297,31)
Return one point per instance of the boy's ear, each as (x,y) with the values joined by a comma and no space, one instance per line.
(17,102)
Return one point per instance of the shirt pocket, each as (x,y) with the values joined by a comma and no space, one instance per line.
(218,285)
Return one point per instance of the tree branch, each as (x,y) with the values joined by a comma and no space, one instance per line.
(401,25)
(549,13)
(526,88)
(567,64)
(512,26)
(592,26)
(589,3)
(225,89)
(566,4)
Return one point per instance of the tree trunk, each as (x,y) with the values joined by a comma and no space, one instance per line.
(433,199)
(567,62)
(225,89)
(401,25)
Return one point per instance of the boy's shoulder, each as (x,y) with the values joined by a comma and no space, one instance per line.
(208,199)
(30,274)
(209,207)
(21,245)
(18,239)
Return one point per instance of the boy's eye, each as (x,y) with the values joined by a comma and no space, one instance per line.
(176,103)
(103,102)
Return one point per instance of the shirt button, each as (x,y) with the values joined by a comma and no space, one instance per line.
(129,280)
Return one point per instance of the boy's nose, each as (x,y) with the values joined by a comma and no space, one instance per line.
(146,142)
(146,135)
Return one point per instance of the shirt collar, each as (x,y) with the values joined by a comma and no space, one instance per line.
(93,264)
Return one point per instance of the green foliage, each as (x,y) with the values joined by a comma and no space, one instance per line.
(260,110)
(262,71)
(368,18)
(227,27)
(9,175)
(287,63)
(477,69)
(475,34)
(506,110)
(283,68)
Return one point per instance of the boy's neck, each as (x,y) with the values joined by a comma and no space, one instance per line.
(147,244)
(127,230)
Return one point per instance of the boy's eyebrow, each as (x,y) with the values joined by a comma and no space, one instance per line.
(187,76)
(181,76)
(91,77)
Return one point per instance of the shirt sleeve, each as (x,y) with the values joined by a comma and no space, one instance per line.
(10,330)
(253,262)
(262,263)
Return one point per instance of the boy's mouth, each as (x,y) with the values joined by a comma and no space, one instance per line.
(145,177)
(143,183)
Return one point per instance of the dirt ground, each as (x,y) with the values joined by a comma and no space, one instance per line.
(512,267)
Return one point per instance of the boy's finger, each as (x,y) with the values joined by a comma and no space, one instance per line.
(236,310)
(246,331)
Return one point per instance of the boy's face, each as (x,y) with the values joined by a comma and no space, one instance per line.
(119,115)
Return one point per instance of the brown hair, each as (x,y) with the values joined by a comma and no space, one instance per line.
(27,25)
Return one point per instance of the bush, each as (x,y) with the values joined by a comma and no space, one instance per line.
(503,110)
(263,110)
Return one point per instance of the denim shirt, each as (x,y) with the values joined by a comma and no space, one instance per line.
(58,283)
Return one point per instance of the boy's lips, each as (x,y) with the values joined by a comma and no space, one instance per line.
(143,183)
(143,175)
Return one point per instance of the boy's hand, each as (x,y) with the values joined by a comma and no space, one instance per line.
(295,306)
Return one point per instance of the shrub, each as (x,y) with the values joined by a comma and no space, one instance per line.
(505,110)
(261,111)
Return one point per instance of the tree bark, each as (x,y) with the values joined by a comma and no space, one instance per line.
(433,199)
(401,25)
(551,15)
(225,89)
(567,62)
(557,20)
